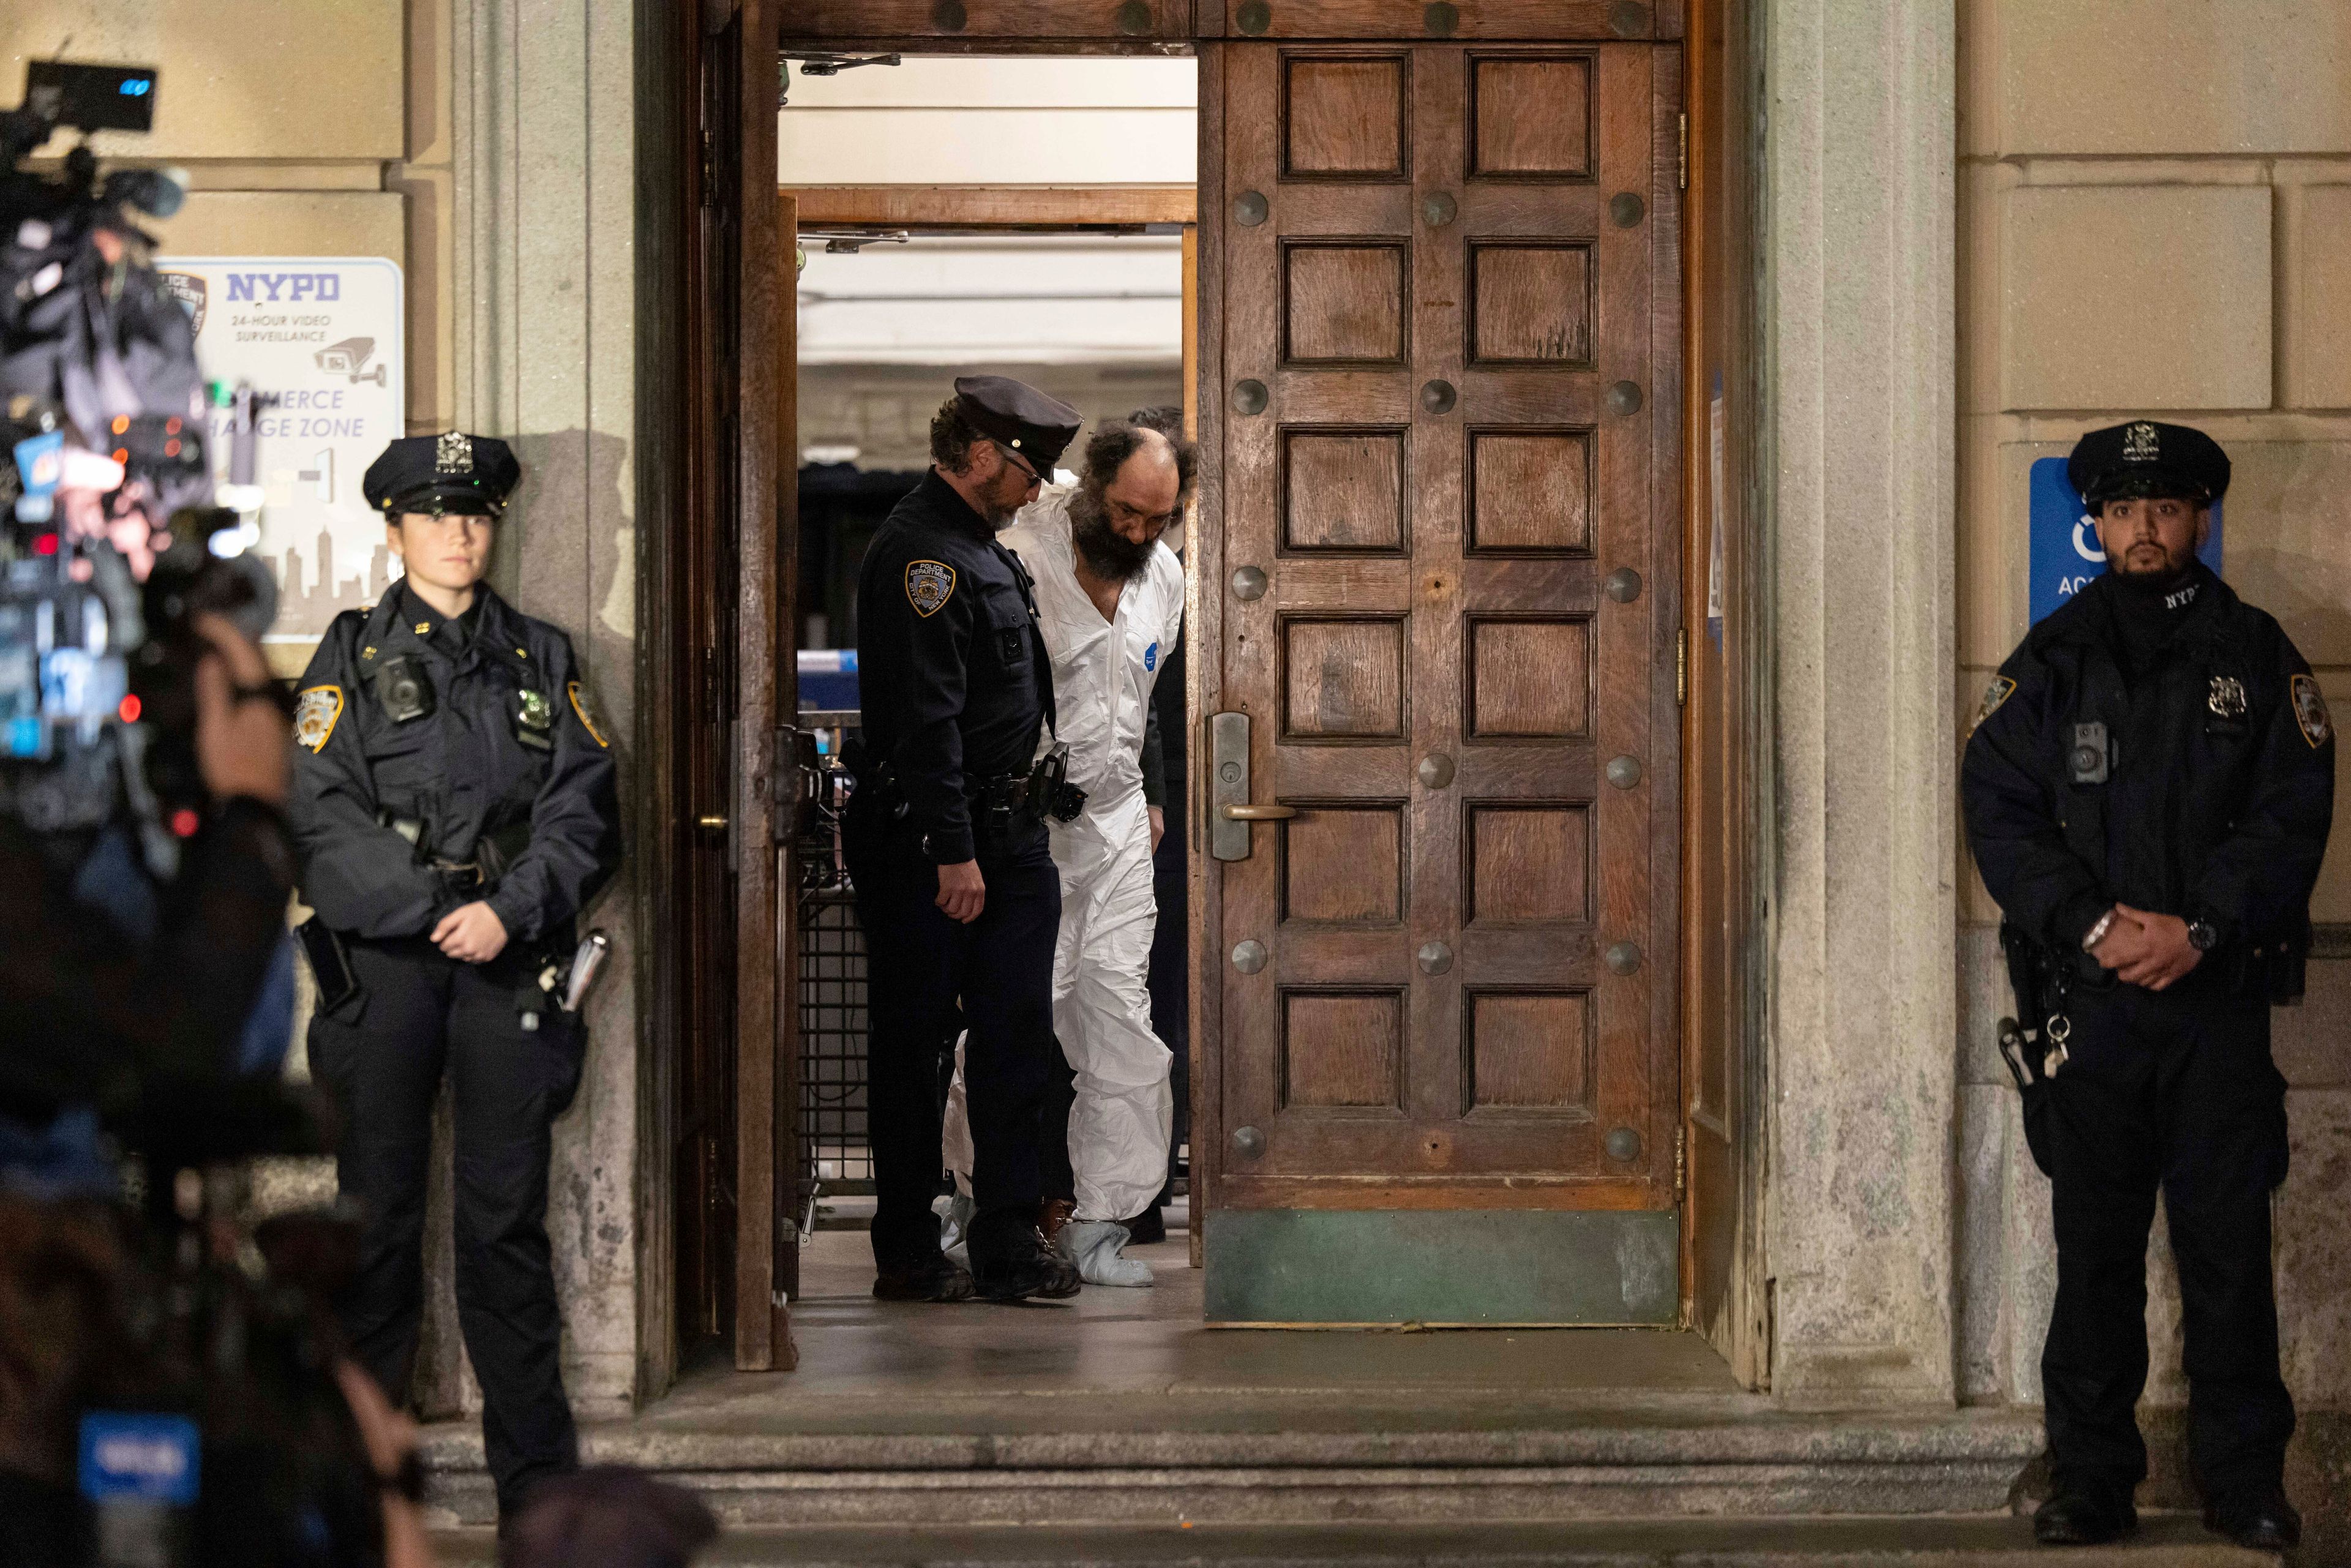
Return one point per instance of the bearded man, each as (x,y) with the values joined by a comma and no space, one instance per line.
(1110,601)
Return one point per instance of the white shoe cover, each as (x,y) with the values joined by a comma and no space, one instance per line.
(1093,1245)
(956,1225)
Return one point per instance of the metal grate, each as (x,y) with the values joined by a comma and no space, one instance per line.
(834,1147)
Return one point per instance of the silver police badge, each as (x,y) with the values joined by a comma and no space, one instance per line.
(2142,443)
(454,453)
(315,712)
(2227,697)
(929,584)
(2309,712)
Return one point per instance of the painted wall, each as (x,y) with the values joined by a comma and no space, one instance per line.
(2155,205)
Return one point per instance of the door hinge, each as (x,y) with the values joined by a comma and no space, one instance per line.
(709,169)
(1681,174)
(1681,1161)
(1681,666)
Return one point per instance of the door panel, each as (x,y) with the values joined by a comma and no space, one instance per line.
(1445,425)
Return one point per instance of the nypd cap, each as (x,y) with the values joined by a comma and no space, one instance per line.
(2144,458)
(438,474)
(1037,426)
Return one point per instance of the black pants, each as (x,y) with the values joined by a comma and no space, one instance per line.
(919,966)
(382,1056)
(1171,977)
(2172,1090)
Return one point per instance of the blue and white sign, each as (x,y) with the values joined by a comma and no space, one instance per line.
(326,337)
(2065,550)
(147,1458)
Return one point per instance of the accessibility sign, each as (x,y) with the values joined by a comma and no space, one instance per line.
(2065,553)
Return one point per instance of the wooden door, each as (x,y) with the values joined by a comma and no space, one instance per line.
(740,1033)
(1445,1083)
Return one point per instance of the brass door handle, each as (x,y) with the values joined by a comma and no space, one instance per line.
(1256,813)
(712,823)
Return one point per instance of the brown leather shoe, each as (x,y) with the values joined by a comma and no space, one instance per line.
(1052,1214)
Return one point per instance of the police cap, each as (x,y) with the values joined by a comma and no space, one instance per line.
(2144,458)
(1037,426)
(436,474)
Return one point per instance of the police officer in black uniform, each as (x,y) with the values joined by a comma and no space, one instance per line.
(453,808)
(2148,788)
(944,842)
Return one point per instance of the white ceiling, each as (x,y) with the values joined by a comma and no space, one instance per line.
(1026,300)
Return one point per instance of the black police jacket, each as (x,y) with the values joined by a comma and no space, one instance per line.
(510,753)
(952,676)
(2220,775)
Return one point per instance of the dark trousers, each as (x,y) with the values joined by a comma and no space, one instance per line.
(382,1056)
(1171,977)
(920,965)
(2172,1091)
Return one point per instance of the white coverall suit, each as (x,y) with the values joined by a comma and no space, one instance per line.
(1103,675)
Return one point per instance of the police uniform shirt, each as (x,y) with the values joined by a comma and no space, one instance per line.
(510,739)
(951,676)
(2219,763)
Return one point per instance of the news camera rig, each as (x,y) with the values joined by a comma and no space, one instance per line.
(97,689)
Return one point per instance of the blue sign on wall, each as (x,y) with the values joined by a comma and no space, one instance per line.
(2065,550)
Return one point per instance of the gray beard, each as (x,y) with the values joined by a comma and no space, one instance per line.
(1108,555)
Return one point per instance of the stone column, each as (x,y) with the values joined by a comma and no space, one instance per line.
(545,248)
(1857,251)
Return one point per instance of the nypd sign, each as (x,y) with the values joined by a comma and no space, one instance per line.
(2066,553)
(325,337)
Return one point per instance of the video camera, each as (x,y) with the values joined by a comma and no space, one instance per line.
(97,691)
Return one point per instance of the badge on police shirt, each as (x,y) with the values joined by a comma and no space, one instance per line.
(534,717)
(2227,697)
(2309,712)
(315,712)
(1998,692)
(929,584)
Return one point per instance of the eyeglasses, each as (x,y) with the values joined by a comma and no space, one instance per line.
(1017,461)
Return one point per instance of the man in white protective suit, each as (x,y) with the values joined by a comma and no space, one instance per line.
(1110,601)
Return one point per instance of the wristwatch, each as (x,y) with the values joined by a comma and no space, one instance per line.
(2202,935)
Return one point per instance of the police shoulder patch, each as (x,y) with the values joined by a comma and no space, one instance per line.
(315,712)
(586,722)
(2309,712)
(929,584)
(1998,692)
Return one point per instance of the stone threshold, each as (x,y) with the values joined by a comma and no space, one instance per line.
(2164,1542)
(1472,1464)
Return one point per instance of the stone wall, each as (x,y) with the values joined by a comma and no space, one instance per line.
(2154,206)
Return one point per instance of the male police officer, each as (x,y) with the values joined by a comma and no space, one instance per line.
(2148,788)
(944,841)
(453,808)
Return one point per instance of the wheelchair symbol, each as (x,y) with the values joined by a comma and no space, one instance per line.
(2085,541)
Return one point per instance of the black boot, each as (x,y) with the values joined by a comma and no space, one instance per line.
(1146,1227)
(1011,1262)
(2262,1520)
(933,1279)
(2078,1518)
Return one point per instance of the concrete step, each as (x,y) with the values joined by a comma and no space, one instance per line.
(1380,1466)
(2000,1542)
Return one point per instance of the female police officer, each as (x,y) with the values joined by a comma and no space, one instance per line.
(452,807)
